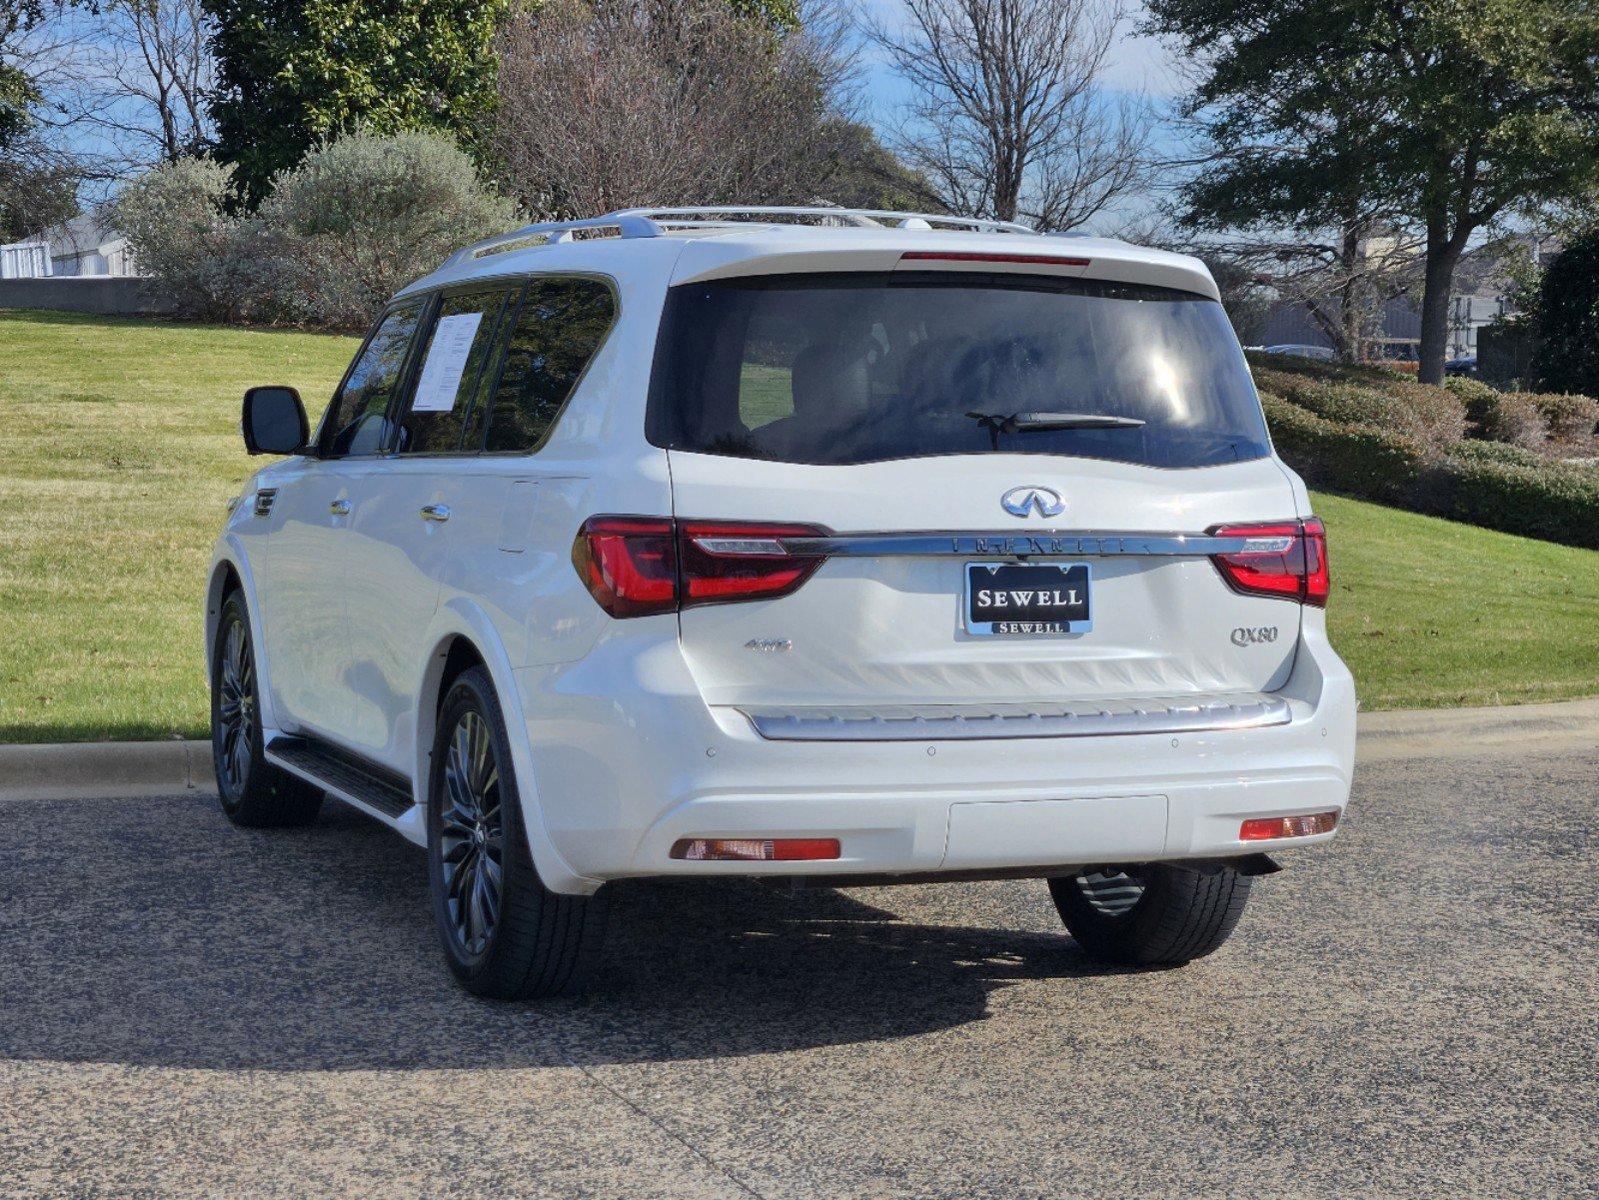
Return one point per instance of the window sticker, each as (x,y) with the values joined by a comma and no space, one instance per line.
(436,391)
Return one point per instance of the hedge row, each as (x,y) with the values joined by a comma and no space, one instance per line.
(1432,415)
(1489,484)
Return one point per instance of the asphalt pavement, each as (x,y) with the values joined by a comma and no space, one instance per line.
(187,1009)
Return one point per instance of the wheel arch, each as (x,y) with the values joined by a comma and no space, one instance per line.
(464,636)
(230,571)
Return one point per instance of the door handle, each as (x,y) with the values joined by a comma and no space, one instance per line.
(435,512)
(340,508)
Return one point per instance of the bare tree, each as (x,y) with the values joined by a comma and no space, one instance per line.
(157,75)
(141,81)
(625,102)
(1008,117)
(122,84)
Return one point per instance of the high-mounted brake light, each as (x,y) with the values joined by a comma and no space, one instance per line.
(1042,260)
(635,566)
(755,849)
(1266,829)
(1284,558)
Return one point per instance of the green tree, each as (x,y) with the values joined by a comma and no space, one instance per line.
(1566,318)
(292,75)
(1448,113)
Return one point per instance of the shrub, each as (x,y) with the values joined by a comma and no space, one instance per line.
(1549,501)
(201,258)
(1492,484)
(1358,459)
(364,215)
(1498,452)
(1433,416)
(1509,417)
(1471,391)
(1571,418)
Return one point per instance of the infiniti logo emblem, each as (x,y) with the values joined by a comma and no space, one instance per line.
(1022,501)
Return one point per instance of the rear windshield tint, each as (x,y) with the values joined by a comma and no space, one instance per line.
(840,369)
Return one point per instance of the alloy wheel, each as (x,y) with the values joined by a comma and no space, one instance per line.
(472,834)
(236,704)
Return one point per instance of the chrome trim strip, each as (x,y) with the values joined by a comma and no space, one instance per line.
(1009,544)
(1085,718)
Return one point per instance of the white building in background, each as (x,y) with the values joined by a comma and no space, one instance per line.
(24,260)
(85,245)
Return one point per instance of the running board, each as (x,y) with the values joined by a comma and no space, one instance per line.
(1085,718)
(343,772)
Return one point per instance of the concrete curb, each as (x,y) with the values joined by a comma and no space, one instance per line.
(82,769)
(1469,732)
(92,769)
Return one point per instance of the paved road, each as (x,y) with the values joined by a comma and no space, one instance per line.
(188,1009)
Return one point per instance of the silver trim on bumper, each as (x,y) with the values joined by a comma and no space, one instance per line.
(1082,718)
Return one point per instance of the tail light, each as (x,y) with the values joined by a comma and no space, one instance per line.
(629,564)
(1283,558)
(635,566)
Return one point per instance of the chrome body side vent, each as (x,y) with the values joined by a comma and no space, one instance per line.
(263,501)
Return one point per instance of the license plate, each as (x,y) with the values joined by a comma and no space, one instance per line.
(1027,599)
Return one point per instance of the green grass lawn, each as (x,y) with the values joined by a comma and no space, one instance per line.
(119,447)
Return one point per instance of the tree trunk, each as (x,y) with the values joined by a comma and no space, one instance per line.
(1352,318)
(1443,255)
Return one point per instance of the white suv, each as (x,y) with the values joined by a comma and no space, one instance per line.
(852,547)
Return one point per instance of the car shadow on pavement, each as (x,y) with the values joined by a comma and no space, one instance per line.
(152,933)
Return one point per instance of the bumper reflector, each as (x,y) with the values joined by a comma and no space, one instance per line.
(755,849)
(1265,829)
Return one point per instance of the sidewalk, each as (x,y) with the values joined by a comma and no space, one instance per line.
(128,769)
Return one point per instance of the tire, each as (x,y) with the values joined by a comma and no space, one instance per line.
(254,793)
(510,937)
(1153,914)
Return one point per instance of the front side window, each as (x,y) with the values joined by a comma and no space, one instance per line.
(357,420)
(454,360)
(840,369)
(558,329)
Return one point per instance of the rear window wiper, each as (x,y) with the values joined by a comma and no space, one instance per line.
(1041,422)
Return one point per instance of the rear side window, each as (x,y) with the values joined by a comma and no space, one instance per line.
(557,331)
(840,369)
(357,419)
(454,355)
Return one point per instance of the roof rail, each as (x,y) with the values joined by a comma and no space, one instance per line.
(653,222)
(544,233)
(859,218)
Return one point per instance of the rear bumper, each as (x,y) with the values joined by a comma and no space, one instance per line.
(625,770)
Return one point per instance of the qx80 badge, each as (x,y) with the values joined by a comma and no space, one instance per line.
(1030,498)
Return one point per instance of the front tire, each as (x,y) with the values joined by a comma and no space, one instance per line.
(1151,914)
(505,935)
(253,792)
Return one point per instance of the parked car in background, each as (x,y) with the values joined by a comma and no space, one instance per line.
(1298,350)
(1464,367)
(815,545)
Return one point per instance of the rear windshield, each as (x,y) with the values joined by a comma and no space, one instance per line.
(839,369)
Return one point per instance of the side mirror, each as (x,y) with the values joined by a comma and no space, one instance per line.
(274,421)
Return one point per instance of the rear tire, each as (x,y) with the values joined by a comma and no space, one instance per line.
(254,793)
(1153,914)
(505,935)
